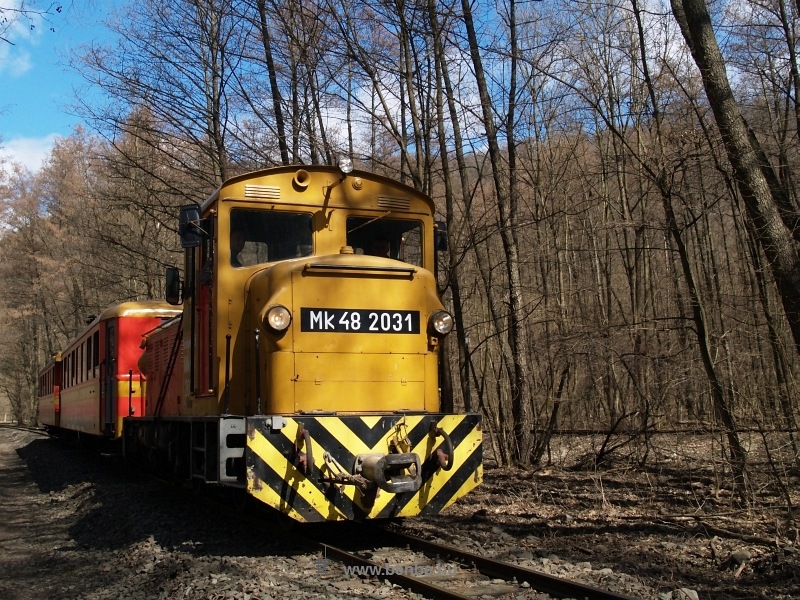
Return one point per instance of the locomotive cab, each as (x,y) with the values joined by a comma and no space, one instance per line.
(352,280)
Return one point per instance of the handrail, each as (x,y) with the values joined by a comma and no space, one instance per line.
(367,268)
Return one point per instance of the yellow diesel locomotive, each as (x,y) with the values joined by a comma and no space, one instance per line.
(303,367)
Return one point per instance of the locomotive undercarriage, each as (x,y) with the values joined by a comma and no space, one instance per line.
(206,449)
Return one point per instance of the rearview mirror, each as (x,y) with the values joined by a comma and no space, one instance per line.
(189,226)
(440,236)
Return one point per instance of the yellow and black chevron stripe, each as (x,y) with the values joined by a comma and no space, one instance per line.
(277,459)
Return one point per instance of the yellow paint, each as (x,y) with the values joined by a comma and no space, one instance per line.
(271,498)
(344,436)
(346,373)
(347,397)
(293,477)
(469,484)
(441,478)
(370,421)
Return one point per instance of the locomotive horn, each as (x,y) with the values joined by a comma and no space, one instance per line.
(301,179)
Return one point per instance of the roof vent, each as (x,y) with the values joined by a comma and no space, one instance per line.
(394,203)
(267,192)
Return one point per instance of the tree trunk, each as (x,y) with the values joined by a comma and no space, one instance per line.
(521,401)
(766,204)
(273,82)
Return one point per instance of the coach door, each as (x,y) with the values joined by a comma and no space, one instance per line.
(110,377)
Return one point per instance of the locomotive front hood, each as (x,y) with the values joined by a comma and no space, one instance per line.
(332,340)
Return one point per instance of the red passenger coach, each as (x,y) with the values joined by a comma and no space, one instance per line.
(100,379)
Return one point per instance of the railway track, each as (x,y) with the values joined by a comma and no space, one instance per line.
(416,565)
(430,569)
(36,430)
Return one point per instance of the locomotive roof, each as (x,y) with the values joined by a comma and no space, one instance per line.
(380,180)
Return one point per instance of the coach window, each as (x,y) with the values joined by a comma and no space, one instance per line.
(260,236)
(89,358)
(95,353)
(400,239)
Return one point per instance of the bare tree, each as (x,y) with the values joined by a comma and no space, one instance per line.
(173,61)
(26,14)
(21,297)
(504,178)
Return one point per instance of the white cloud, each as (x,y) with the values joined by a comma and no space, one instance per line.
(19,27)
(28,152)
(14,61)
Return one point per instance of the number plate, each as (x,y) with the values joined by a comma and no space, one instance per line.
(341,320)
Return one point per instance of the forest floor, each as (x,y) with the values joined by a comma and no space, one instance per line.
(73,526)
(672,519)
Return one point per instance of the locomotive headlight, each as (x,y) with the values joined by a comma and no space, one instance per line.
(345,164)
(278,317)
(441,322)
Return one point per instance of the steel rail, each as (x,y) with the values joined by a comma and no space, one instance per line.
(548,584)
(37,430)
(415,584)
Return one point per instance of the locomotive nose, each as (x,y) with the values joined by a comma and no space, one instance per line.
(395,473)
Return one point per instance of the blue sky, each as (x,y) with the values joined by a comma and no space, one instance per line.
(36,85)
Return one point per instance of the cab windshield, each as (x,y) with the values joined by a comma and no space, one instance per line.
(259,236)
(400,239)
